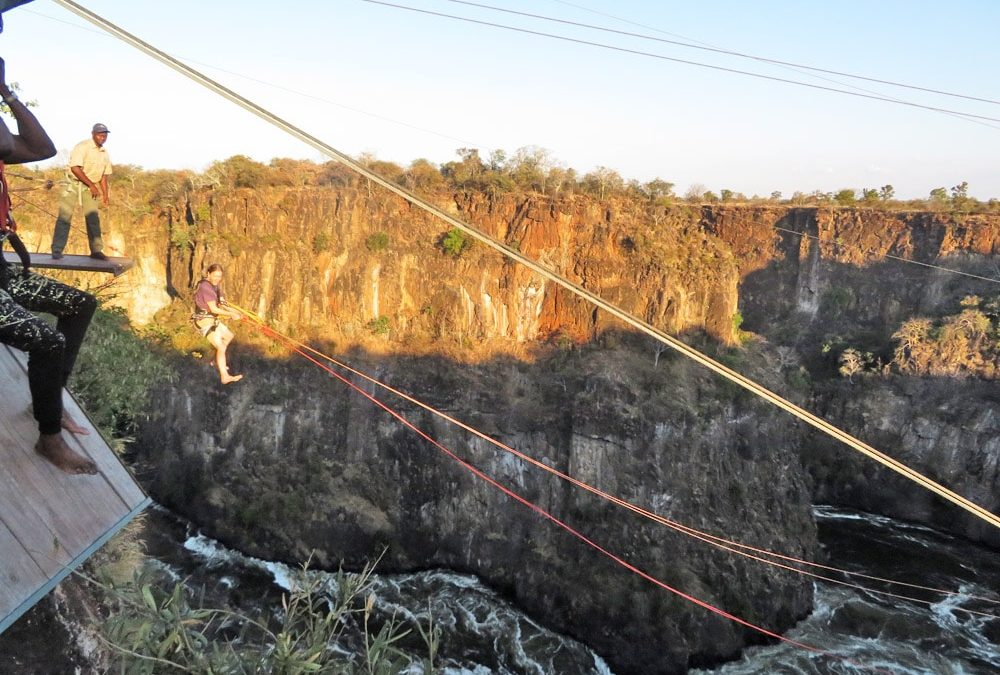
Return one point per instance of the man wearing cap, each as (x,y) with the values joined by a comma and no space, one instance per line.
(89,168)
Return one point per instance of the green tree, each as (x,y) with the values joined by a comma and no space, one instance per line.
(960,200)
(561,180)
(886,192)
(468,172)
(529,167)
(658,189)
(240,171)
(455,242)
(602,182)
(423,176)
(498,160)
(845,197)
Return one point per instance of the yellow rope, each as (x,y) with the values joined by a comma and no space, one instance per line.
(555,278)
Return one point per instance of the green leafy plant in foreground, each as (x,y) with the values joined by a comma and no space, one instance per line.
(156,630)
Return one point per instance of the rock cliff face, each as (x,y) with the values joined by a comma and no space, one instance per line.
(289,461)
(846,262)
(327,261)
(833,278)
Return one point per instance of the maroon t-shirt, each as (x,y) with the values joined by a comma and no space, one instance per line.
(205,293)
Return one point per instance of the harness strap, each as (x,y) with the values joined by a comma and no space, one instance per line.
(8,228)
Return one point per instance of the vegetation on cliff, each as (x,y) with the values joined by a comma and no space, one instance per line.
(966,344)
(150,623)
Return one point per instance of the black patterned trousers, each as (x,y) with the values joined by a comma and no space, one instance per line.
(51,351)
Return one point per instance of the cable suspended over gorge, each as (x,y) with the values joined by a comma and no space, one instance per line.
(635,322)
(314,357)
(765,556)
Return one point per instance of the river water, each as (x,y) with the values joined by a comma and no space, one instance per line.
(482,633)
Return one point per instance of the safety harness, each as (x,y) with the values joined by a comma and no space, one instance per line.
(8,232)
(202,314)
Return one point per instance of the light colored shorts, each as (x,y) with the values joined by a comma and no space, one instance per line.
(207,325)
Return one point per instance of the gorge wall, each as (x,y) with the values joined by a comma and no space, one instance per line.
(289,462)
(815,282)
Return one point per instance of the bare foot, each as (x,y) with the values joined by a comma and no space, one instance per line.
(53,448)
(70,425)
(226,379)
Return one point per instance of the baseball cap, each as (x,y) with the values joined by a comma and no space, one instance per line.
(99,129)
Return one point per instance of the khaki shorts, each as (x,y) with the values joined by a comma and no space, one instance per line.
(207,325)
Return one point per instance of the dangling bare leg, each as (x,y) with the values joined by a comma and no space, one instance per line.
(220,339)
(53,448)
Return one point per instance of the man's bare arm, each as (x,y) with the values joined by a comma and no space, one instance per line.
(30,143)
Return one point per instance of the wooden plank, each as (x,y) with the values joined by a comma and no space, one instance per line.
(19,575)
(50,521)
(36,473)
(62,513)
(53,515)
(42,590)
(75,263)
(91,445)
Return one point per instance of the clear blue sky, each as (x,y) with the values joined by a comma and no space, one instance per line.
(399,85)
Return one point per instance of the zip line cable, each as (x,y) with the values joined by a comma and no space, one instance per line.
(893,257)
(798,68)
(688,62)
(713,540)
(432,132)
(562,524)
(728,52)
(280,87)
(555,278)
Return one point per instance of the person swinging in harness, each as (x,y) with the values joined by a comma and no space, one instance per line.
(210,306)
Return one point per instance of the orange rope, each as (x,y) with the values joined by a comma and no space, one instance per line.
(548,516)
(713,540)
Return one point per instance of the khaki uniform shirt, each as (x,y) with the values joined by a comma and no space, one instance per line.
(95,161)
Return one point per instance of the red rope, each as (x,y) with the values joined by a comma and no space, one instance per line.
(548,516)
(713,540)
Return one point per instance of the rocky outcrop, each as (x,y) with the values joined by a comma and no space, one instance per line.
(948,429)
(845,269)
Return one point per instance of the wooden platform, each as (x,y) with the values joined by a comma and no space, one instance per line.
(76,263)
(50,522)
